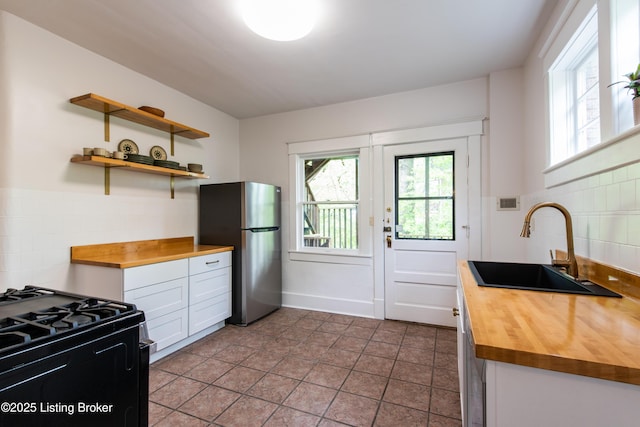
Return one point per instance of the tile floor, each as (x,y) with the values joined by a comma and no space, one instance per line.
(308,368)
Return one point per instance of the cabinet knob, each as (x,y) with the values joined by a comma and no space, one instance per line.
(456,312)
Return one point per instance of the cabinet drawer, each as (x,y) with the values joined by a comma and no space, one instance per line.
(169,329)
(209,312)
(208,285)
(160,299)
(137,277)
(201,264)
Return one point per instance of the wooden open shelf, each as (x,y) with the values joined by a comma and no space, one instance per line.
(136,167)
(132,114)
(112,108)
(108,164)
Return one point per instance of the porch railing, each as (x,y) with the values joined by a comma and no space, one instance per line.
(331,224)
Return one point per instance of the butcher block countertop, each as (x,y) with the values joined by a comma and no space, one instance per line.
(579,334)
(141,252)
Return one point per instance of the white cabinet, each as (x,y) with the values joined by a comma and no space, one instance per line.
(471,371)
(162,291)
(462,336)
(530,397)
(514,395)
(183,300)
(209,290)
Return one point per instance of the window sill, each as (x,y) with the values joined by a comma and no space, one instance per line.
(331,257)
(619,151)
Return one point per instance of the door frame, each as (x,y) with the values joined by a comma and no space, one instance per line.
(473,132)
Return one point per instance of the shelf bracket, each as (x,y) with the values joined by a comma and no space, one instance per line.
(172,151)
(106,127)
(107,180)
(172,185)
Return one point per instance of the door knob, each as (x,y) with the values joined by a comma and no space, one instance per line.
(456,312)
(388,240)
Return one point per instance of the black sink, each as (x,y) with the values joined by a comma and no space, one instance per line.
(534,277)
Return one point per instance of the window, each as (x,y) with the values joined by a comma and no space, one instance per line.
(425,197)
(574,93)
(576,148)
(330,202)
(625,56)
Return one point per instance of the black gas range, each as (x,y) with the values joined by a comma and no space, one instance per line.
(71,360)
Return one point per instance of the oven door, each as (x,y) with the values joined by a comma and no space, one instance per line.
(91,378)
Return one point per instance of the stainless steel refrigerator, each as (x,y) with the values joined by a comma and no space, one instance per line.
(247,216)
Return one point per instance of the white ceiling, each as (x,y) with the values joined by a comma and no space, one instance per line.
(359,48)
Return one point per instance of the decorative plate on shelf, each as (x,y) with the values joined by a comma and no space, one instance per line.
(139,158)
(127,146)
(166,164)
(158,153)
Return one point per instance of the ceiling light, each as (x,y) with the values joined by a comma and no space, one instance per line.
(281,20)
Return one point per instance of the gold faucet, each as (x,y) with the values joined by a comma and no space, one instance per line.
(570,264)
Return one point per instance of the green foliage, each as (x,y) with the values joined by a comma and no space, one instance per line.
(336,180)
(425,197)
(633,85)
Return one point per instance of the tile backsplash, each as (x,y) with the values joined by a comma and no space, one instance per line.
(605,209)
(37,228)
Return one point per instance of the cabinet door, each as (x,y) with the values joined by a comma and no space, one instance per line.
(208,313)
(169,329)
(208,285)
(161,298)
(209,298)
(165,307)
(462,336)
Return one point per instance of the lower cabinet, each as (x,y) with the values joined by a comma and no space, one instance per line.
(183,300)
(165,306)
(209,290)
(162,291)
(498,394)
(530,397)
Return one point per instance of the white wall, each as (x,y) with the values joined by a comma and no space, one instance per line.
(605,207)
(328,286)
(502,169)
(48,204)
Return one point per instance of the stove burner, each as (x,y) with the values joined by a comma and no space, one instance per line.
(16,330)
(72,321)
(12,294)
(47,313)
(75,314)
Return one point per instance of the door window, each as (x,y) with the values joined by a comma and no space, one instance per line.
(425,197)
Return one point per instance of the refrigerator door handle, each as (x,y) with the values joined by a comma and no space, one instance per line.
(262,229)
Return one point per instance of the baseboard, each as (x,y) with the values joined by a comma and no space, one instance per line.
(330,305)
